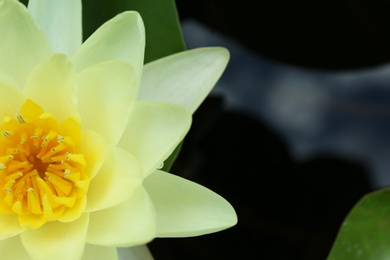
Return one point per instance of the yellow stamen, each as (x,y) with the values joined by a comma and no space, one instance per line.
(41,170)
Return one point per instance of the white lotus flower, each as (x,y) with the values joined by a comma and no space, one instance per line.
(79,148)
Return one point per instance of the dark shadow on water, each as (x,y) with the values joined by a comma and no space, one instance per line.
(286,209)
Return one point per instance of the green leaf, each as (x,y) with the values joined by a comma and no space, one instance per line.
(25,2)
(168,163)
(162,26)
(365,233)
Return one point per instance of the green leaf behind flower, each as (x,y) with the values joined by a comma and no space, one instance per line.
(163,31)
(365,233)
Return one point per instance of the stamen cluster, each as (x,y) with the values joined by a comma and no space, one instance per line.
(40,170)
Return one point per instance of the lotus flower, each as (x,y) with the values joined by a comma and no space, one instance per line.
(82,136)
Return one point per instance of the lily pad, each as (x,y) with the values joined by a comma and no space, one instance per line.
(365,233)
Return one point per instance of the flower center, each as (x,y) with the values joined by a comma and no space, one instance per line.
(40,166)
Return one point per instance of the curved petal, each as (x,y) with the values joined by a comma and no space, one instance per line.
(105,93)
(185,78)
(129,223)
(185,208)
(121,38)
(94,148)
(60,20)
(135,252)
(115,182)
(93,252)
(12,248)
(9,226)
(55,240)
(52,86)
(22,44)
(11,100)
(153,131)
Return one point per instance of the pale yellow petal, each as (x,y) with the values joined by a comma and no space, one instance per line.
(9,226)
(52,86)
(185,208)
(22,44)
(94,147)
(11,100)
(129,223)
(93,252)
(153,131)
(60,20)
(185,78)
(115,182)
(105,94)
(12,249)
(56,240)
(121,38)
(135,252)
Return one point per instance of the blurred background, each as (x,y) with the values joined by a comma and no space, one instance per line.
(296,130)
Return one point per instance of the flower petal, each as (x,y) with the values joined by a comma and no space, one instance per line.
(52,86)
(12,248)
(56,240)
(17,59)
(60,20)
(185,78)
(185,208)
(105,94)
(115,182)
(153,131)
(73,213)
(9,226)
(94,148)
(135,252)
(129,223)
(93,252)
(121,38)
(11,100)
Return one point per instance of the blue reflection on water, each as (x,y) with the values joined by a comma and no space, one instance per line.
(346,113)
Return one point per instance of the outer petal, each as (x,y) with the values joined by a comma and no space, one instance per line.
(52,85)
(60,20)
(12,248)
(185,78)
(121,38)
(105,94)
(20,51)
(57,240)
(116,181)
(9,226)
(185,208)
(153,131)
(93,252)
(127,224)
(135,253)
